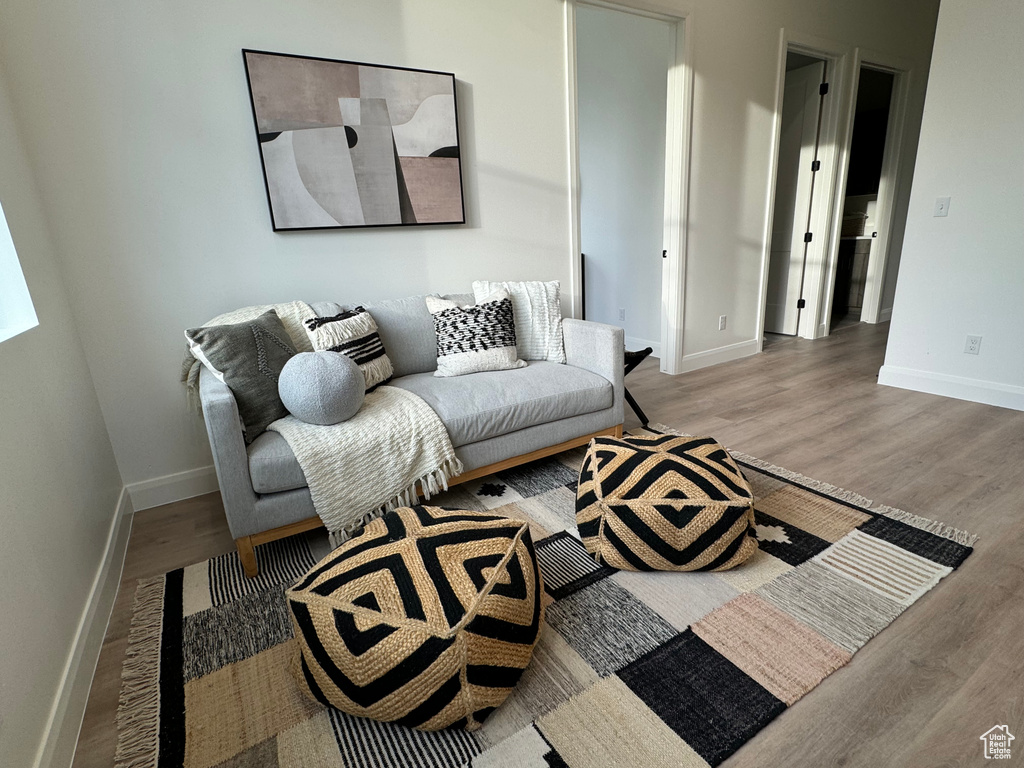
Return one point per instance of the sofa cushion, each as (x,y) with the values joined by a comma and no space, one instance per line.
(474,407)
(493,403)
(407,330)
(272,465)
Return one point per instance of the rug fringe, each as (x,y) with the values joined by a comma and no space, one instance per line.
(817,485)
(931,526)
(430,484)
(138,709)
(916,521)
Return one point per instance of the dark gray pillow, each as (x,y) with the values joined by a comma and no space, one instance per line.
(248,357)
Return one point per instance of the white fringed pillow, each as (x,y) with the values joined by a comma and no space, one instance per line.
(538,317)
(354,334)
(476,338)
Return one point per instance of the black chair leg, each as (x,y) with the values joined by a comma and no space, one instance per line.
(636,408)
(632,360)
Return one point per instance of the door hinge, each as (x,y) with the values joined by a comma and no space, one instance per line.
(807,237)
(800,303)
(816,165)
(664,254)
(823,89)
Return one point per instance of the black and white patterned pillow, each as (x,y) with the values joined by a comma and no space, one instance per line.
(476,338)
(353,333)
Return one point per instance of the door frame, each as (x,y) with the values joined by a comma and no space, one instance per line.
(678,137)
(889,185)
(833,152)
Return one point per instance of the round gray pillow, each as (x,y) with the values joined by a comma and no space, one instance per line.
(321,387)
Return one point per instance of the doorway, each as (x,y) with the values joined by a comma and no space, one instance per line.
(623,60)
(796,173)
(859,232)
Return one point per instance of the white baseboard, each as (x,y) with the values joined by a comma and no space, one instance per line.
(885,315)
(697,360)
(58,747)
(180,485)
(635,343)
(960,387)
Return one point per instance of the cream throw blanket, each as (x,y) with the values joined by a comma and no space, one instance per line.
(373,462)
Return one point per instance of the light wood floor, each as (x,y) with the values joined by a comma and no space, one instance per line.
(919,694)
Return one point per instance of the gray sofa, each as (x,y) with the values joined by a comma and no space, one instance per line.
(495,419)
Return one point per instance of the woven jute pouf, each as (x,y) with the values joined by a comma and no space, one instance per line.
(664,503)
(427,618)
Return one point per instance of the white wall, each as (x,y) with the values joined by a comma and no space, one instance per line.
(137,122)
(964,274)
(59,484)
(622,82)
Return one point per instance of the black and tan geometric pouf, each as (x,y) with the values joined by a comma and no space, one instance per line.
(664,503)
(426,618)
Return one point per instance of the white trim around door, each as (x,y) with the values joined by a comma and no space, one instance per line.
(889,185)
(679,122)
(826,206)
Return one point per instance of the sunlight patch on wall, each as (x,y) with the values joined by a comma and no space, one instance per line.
(17,314)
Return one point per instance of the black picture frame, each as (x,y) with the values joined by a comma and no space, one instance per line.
(329,130)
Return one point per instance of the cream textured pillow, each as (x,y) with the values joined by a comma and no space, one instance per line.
(538,317)
(476,338)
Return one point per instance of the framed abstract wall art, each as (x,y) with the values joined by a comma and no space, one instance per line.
(347,144)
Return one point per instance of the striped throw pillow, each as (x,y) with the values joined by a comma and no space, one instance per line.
(353,333)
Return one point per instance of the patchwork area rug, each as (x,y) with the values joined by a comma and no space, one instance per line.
(632,669)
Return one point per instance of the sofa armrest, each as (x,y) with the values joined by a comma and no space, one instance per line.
(230,459)
(597,348)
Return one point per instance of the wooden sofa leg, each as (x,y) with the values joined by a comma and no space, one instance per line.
(247,554)
(618,430)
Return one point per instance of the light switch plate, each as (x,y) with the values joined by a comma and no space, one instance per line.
(941,206)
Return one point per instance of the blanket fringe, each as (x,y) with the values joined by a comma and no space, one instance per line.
(138,709)
(429,485)
(916,521)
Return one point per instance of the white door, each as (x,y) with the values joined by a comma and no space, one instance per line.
(801,104)
(622,87)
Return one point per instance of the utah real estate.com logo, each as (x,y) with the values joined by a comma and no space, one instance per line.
(997,742)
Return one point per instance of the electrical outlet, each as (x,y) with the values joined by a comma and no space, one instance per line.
(941,206)
(973,345)
(721,322)
(622,314)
